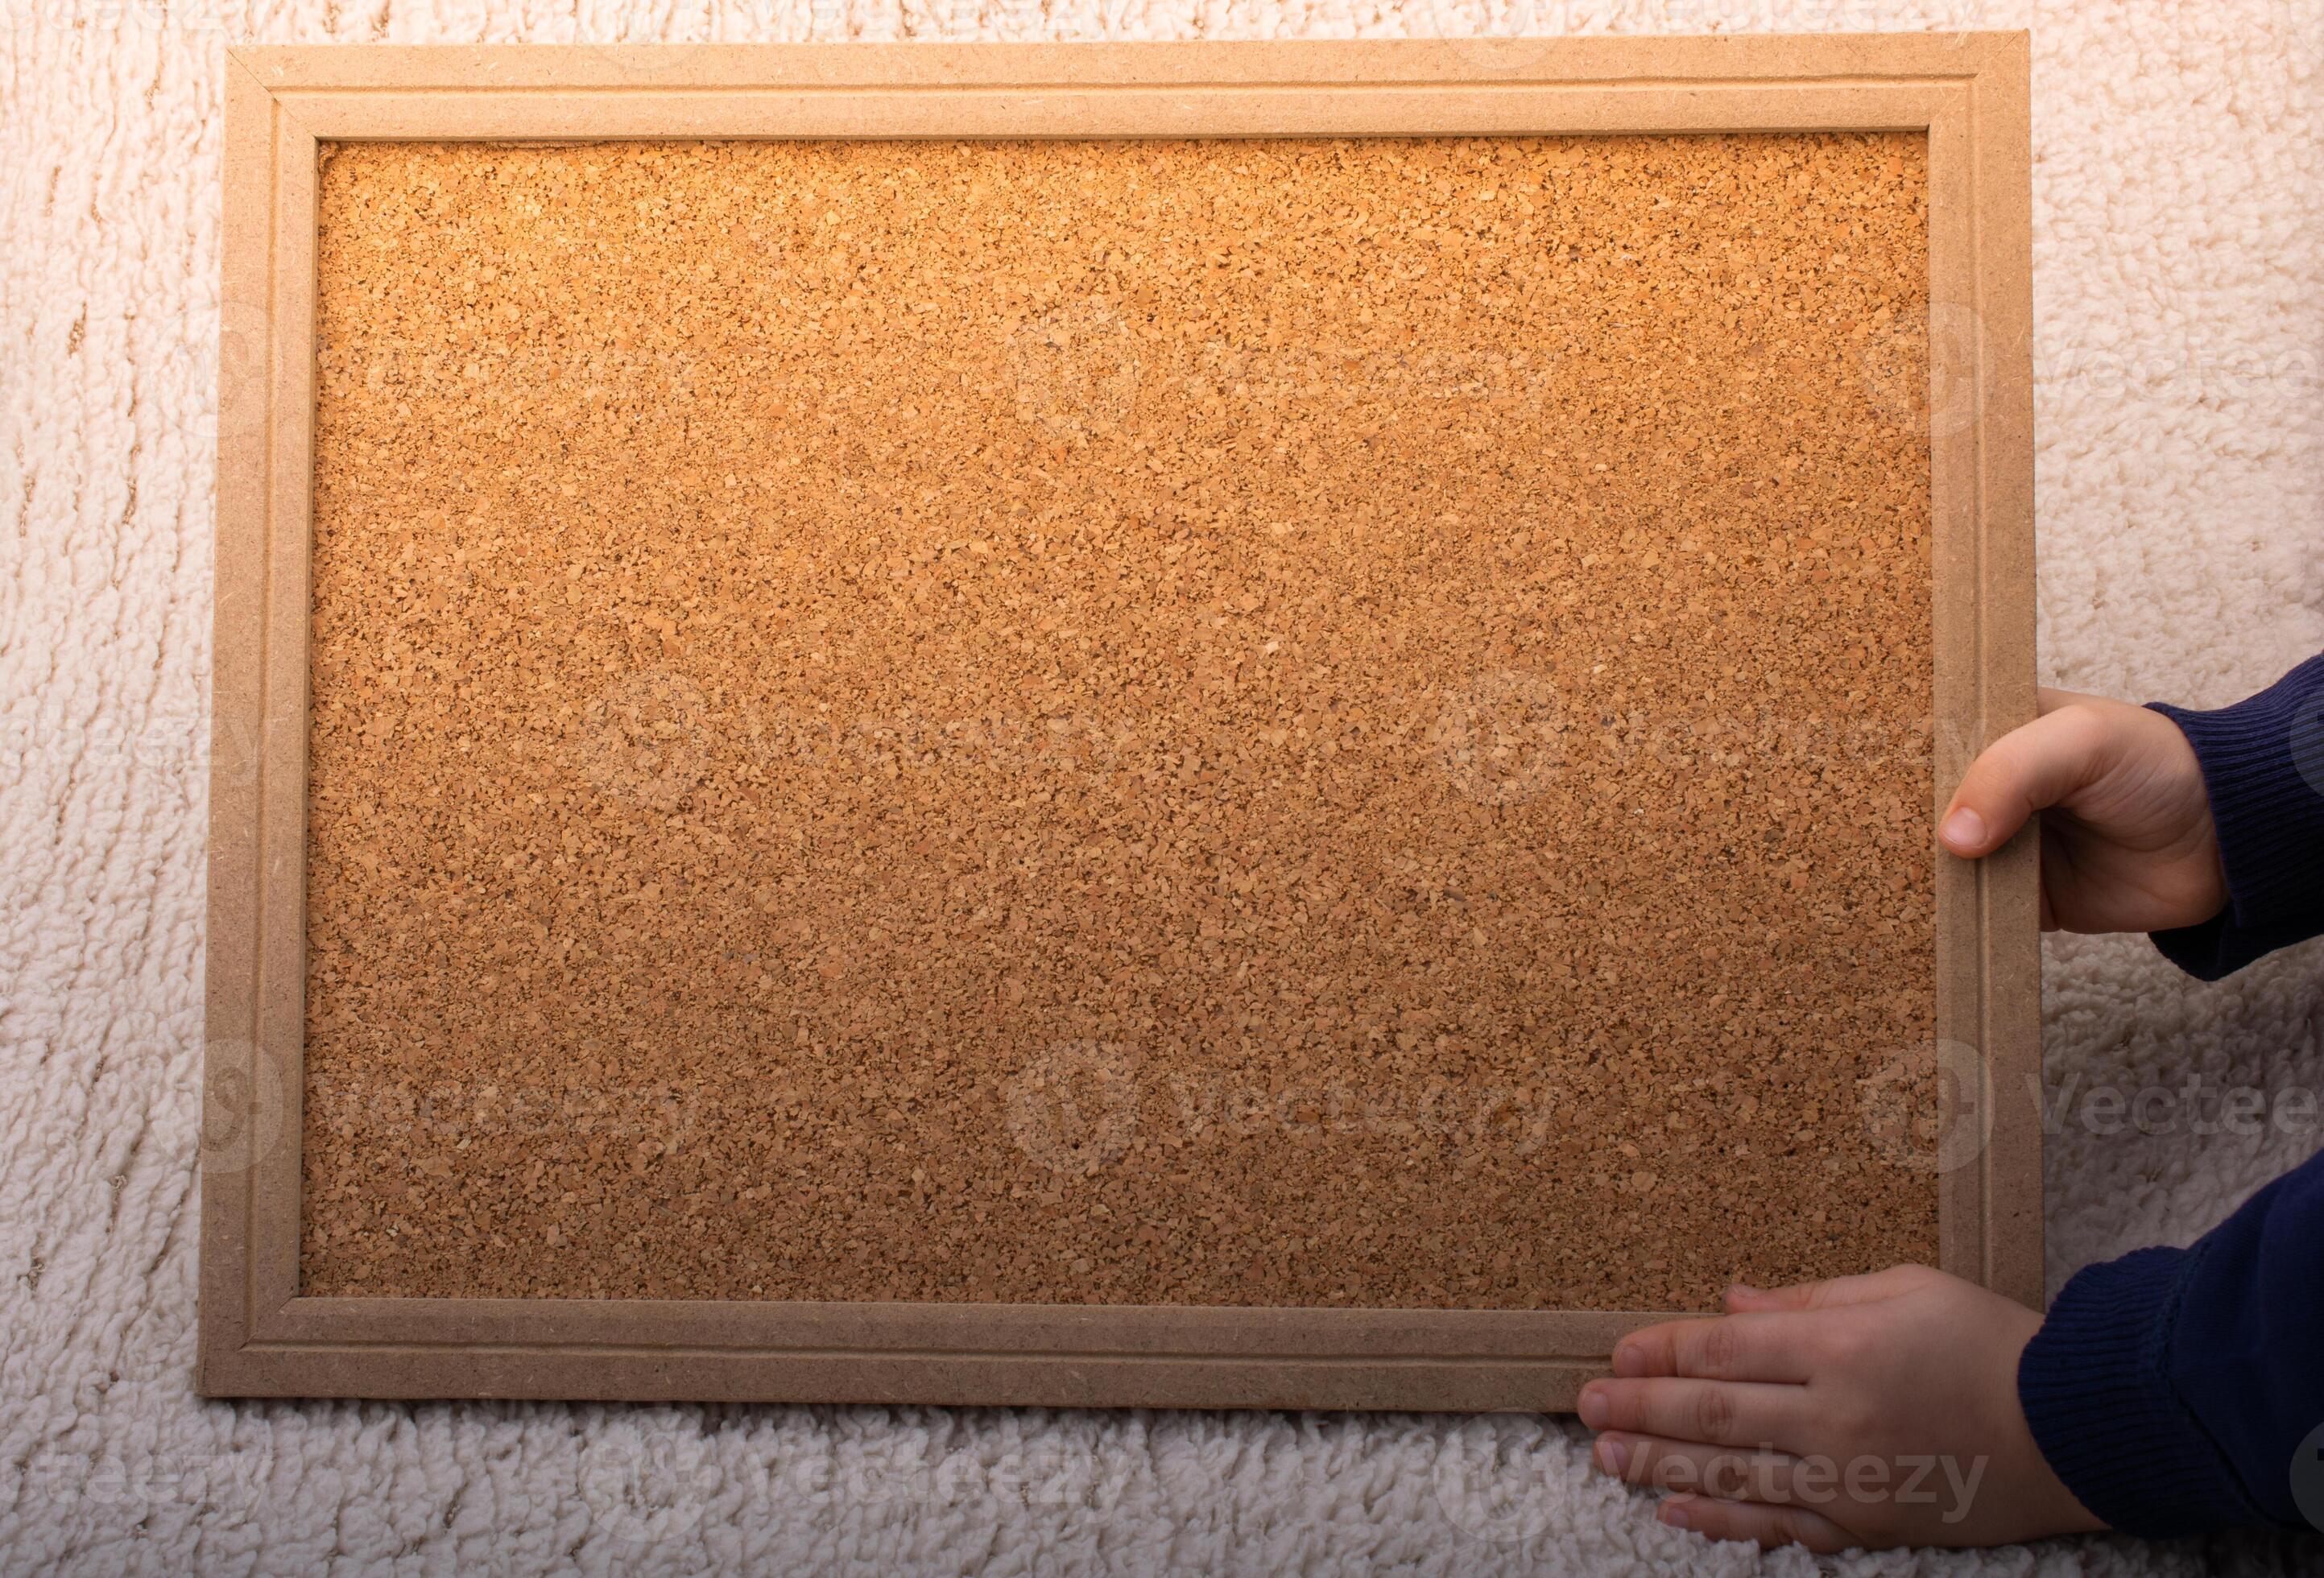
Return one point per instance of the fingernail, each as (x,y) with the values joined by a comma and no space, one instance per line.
(1675,1513)
(1964,829)
(1593,1407)
(1629,1363)
(1609,1456)
(1745,1289)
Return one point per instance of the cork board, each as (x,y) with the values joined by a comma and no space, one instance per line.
(1181,727)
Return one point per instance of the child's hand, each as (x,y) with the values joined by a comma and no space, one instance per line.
(1869,1411)
(1883,1410)
(2127,843)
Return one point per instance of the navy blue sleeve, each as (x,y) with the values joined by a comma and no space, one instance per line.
(2170,1389)
(2262,764)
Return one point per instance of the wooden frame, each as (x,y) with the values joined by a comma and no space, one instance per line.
(259,1336)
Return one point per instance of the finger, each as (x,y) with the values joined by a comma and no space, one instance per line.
(1773,1346)
(1723,1412)
(1755,1521)
(2054,860)
(2028,767)
(1731,1474)
(1826,1293)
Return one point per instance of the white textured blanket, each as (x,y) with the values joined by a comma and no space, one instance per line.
(2178,201)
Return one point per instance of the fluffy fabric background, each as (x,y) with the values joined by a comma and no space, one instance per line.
(2180,230)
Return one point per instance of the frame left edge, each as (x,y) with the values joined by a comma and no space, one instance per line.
(237,662)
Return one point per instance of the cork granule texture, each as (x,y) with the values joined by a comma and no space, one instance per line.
(1337,722)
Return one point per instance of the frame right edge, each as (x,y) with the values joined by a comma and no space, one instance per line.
(2001,142)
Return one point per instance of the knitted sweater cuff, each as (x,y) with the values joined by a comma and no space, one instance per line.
(2102,1408)
(2262,764)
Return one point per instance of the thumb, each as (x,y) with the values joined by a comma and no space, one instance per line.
(1832,1291)
(2033,766)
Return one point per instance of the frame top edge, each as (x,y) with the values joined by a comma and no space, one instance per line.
(1549,59)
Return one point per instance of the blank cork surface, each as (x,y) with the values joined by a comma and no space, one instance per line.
(1249,722)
